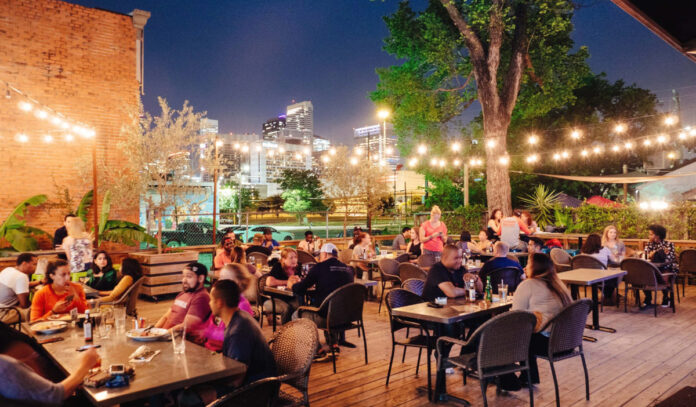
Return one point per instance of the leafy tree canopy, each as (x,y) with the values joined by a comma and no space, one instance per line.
(308,183)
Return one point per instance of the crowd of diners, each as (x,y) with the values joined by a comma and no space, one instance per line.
(222,319)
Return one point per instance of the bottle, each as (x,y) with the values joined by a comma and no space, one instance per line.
(645,253)
(472,290)
(489,295)
(87,327)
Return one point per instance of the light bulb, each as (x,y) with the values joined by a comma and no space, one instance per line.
(597,150)
(584,153)
(556,156)
(25,106)
(490,143)
(456,147)
(615,148)
(412,162)
(69,137)
(532,158)
(456,163)
(504,160)
(332,151)
(647,142)
(662,138)
(48,138)
(353,161)
(620,128)
(628,145)
(422,149)
(670,120)
(575,134)
(533,139)
(325,158)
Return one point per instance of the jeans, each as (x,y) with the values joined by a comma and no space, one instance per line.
(435,254)
(538,346)
(283,308)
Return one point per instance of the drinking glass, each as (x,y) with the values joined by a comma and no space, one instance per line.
(503,290)
(179,341)
(120,319)
(107,321)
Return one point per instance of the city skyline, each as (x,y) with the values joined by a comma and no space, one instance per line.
(244,64)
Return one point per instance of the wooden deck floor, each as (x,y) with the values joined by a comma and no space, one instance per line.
(647,360)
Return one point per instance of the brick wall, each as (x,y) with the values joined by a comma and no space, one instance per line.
(80,62)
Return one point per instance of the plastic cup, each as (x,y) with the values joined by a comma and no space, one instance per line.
(503,290)
(179,342)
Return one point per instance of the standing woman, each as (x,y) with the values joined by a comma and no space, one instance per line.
(59,295)
(610,240)
(433,234)
(77,245)
(494,227)
(414,246)
(103,276)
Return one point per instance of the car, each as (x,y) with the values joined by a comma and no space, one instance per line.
(247,235)
(192,234)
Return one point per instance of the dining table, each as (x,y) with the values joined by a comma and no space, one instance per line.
(457,311)
(167,371)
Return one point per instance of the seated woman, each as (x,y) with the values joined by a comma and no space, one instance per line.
(465,243)
(215,329)
(278,276)
(103,276)
(662,252)
(484,243)
(131,271)
(59,295)
(494,226)
(529,221)
(363,250)
(593,247)
(414,246)
(610,240)
(544,294)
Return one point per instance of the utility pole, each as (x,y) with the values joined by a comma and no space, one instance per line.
(367,207)
(466,184)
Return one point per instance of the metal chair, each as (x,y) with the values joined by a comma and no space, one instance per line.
(687,268)
(426,260)
(414,285)
(512,276)
(293,349)
(409,270)
(257,257)
(565,341)
(389,269)
(129,298)
(403,257)
(585,261)
(305,258)
(643,275)
(401,298)
(261,393)
(341,311)
(561,259)
(502,347)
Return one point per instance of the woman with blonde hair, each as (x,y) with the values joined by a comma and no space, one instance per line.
(77,245)
(433,234)
(279,275)
(610,240)
(414,246)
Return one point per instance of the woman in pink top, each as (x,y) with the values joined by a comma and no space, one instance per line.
(433,234)
(214,333)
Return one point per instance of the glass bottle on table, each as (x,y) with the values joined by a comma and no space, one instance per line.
(489,292)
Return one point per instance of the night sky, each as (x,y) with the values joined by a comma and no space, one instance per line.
(244,61)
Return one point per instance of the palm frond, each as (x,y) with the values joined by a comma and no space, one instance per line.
(84,205)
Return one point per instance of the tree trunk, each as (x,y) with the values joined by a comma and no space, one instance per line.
(158,217)
(497,177)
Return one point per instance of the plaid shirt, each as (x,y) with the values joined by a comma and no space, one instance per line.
(670,257)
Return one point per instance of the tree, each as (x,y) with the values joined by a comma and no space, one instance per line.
(306,186)
(297,201)
(272,203)
(457,52)
(230,199)
(354,184)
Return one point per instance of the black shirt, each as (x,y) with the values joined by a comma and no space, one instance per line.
(278,272)
(440,274)
(415,249)
(244,342)
(327,276)
(60,234)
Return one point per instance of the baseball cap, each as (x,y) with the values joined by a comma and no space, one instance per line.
(329,248)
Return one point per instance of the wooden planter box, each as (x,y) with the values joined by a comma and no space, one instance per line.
(162,272)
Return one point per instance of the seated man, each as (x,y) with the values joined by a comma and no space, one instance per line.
(21,383)
(268,241)
(256,246)
(446,277)
(14,286)
(311,244)
(226,255)
(326,276)
(399,242)
(500,260)
(191,307)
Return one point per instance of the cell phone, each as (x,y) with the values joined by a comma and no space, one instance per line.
(434,305)
(85,347)
(117,369)
(69,298)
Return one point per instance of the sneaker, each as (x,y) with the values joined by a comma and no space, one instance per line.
(347,344)
(666,303)
(321,356)
(644,305)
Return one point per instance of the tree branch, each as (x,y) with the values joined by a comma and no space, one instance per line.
(530,68)
(478,55)
(458,88)
(511,85)
(495,29)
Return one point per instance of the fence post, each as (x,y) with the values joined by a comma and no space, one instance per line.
(327,224)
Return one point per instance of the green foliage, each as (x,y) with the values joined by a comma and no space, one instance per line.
(16,232)
(229,197)
(84,205)
(306,181)
(296,200)
(471,218)
(443,192)
(541,203)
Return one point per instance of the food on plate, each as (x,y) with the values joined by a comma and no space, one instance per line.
(49,325)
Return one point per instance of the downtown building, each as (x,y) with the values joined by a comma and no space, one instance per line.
(379,142)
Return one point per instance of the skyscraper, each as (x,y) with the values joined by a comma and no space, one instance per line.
(273,127)
(299,121)
(380,144)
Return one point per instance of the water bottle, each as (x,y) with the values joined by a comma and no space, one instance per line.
(489,293)
(472,290)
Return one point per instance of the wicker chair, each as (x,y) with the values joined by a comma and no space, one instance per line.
(565,341)
(129,298)
(389,269)
(261,298)
(426,260)
(261,393)
(401,298)
(414,285)
(16,320)
(410,270)
(305,258)
(503,347)
(345,256)
(509,275)
(687,268)
(341,311)
(403,258)
(643,275)
(561,259)
(585,261)
(293,349)
(256,258)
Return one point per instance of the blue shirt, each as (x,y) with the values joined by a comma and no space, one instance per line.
(497,263)
(244,342)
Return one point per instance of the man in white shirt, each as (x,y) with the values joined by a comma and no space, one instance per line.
(14,284)
(310,244)
(510,234)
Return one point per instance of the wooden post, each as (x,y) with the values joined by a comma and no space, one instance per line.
(466,184)
(625,186)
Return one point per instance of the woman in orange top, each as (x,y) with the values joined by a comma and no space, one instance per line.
(60,295)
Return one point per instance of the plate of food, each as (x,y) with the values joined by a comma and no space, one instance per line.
(59,317)
(49,327)
(147,335)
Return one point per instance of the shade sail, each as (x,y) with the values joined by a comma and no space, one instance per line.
(612,179)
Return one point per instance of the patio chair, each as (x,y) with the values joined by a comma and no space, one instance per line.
(561,259)
(585,261)
(261,393)
(414,285)
(341,311)
(426,260)
(409,270)
(305,258)
(403,257)
(502,347)
(257,257)
(401,298)
(129,299)
(565,341)
(687,268)
(389,269)
(345,256)
(509,275)
(293,349)
(261,298)
(12,317)
(643,275)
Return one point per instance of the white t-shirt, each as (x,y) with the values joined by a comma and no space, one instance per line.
(12,282)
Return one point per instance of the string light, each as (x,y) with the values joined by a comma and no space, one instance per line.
(456,162)
(490,143)
(647,142)
(628,145)
(358,151)
(575,134)
(41,114)
(671,156)
(332,151)
(584,153)
(441,163)
(504,160)
(412,162)
(22,138)
(670,120)
(353,161)
(565,154)
(422,149)
(69,137)
(25,106)
(219,143)
(533,139)
(325,158)
(597,150)
(298,156)
(556,156)
(615,148)
(433,162)
(662,139)
(306,151)
(236,146)
(619,128)
(281,150)
(389,151)
(456,147)
(532,158)
(245,148)
(682,136)
(48,138)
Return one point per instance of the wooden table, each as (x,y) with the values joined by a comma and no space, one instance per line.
(591,277)
(165,372)
(89,291)
(456,311)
